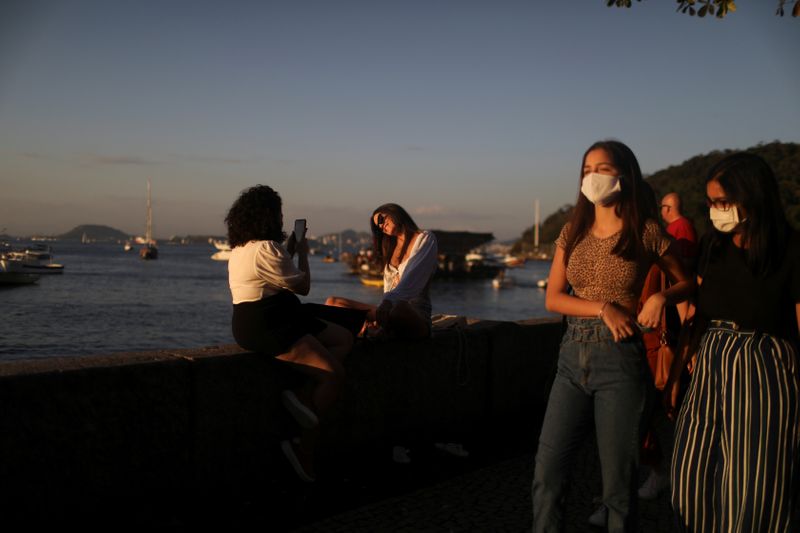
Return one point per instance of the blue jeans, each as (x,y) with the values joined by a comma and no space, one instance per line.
(595,374)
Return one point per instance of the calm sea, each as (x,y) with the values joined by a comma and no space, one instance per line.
(108,300)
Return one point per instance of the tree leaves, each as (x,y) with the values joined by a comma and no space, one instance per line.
(720,8)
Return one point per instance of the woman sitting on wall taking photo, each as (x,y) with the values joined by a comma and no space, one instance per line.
(269,318)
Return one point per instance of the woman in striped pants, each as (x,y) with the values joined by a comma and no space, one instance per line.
(735,461)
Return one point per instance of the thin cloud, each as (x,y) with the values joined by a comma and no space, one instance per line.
(34,155)
(208,159)
(439,212)
(121,160)
(431,211)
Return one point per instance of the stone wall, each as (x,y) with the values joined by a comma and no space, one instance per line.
(146,434)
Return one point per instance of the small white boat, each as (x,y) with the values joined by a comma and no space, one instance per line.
(222,255)
(501,281)
(128,247)
(222,246)
(542,283)
(513,261)
(224,250)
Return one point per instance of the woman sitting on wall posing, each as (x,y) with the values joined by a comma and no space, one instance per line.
(269,318)
(409,257)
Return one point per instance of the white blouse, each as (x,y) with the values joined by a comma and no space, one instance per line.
(260,269)
(410,280)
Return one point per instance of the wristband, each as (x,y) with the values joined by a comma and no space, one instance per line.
(602,309)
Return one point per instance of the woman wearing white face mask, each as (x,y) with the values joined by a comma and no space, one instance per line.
(604,253)
(738,432)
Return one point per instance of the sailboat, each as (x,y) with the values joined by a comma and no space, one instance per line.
(149,250)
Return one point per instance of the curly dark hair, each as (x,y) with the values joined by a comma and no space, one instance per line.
(255,216)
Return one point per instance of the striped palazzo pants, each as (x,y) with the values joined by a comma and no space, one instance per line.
(735,460)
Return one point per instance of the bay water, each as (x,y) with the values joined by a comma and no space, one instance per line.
(108,300)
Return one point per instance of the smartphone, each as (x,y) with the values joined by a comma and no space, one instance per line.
(300,229)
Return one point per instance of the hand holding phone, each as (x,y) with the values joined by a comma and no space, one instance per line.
(300,229)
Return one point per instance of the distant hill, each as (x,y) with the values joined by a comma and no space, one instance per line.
(95,233)
(688,179)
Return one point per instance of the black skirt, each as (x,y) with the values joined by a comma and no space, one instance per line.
(273,324)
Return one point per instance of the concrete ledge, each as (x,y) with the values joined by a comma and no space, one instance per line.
(148,433)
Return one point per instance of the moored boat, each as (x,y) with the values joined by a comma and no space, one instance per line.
(222,255)
(221,245)
(371,280)
(36,259)
(501,281)
(11,273)
(149,250)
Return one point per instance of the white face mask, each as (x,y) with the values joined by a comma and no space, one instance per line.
(724,221)
(600,188)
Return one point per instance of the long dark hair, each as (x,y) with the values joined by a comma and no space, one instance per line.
(635,204)
(255,216)
(383,245)
(749,183)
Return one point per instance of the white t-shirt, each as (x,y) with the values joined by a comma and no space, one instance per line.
(410,280)
(260,269)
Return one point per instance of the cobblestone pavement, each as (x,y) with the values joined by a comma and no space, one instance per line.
(492,498)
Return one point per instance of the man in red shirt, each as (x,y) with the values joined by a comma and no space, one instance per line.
(679,227)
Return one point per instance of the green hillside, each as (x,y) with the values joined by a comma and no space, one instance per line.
(688,180)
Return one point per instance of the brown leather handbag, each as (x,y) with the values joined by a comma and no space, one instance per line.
(666,353)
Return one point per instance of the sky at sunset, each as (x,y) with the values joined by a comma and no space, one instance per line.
(464,112)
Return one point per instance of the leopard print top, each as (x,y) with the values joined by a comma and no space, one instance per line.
(598,275)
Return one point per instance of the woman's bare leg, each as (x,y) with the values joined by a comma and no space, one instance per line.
(338,301)
(310,357)
(336,339)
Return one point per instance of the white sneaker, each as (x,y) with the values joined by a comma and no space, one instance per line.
(599,517)
(288,450)
(400,455)
(302,414)
(453,448)
(653,486)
